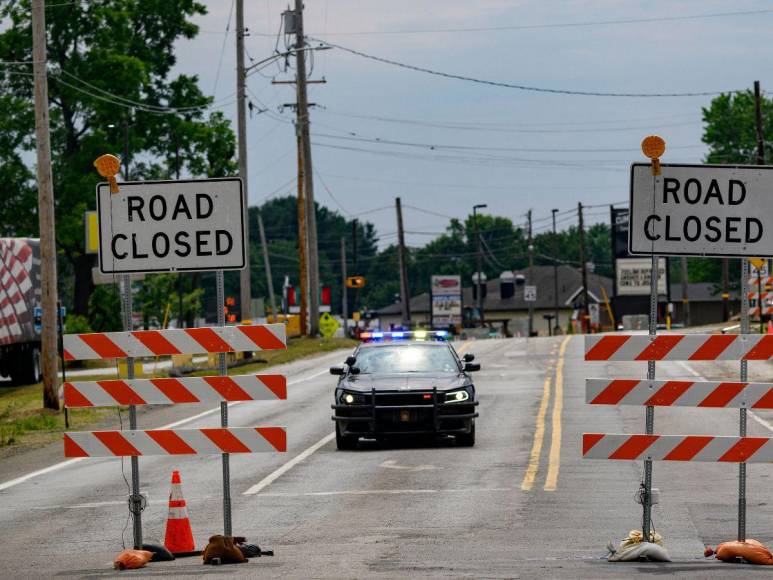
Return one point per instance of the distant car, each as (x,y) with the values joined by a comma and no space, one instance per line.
(403,387)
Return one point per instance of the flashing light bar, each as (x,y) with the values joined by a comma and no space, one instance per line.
(404,335)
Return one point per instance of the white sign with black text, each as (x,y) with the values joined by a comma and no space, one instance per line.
(529,293)
(701,210)
(169,226)
(634,276)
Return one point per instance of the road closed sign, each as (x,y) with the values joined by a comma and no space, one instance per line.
(169,226)
(701,210)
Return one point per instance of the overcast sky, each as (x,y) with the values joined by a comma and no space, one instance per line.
(516,173)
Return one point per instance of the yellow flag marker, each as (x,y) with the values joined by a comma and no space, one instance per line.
(108,166)
(653,147)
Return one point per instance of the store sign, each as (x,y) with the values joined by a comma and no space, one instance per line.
(634,276)
(446,300)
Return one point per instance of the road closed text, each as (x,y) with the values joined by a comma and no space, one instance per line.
(701,210)
(170,226)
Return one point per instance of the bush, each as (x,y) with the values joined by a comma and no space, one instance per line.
(76,324)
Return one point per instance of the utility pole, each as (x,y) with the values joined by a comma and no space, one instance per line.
(267,265)
(760,161)
(48,296)
(303,272)
(245,293)
(344,296)
(405,296)
(303,122)
(584,265)
(530,249)
(685,297)
(479,283)
(355,266)
(555,269)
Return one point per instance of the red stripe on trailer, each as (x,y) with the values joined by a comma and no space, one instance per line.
(274,435)
(72,449)
(723,394)
(276,384)
(263,337)
(765,402)
(614,392)
(606,347)
(660,347)
(102,345)
(121,392)
(155,341)
(669,393)
(713,347)
(209,339)
(226,440)
(763,350)
(589,440)
(74,398)
(175,390)
(688,448)
(634,446)
(228,388)
(171,442)
(744,449)
(116,443)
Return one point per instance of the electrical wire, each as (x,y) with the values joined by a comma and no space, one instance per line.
(613,22)
(222,47)
(515,86)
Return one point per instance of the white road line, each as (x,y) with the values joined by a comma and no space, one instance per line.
(384,492)
(749,412)
(272,477)
(63,464)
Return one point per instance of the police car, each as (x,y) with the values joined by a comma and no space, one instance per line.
(403,383)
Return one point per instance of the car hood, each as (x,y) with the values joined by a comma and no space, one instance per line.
(404,382)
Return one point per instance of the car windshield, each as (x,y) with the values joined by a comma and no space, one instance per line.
(406,359)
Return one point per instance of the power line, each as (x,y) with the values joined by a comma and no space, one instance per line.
(555,25)
(519,87)
(222,48)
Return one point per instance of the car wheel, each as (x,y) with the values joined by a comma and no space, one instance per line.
(27,370)
(466,439)
(345,442)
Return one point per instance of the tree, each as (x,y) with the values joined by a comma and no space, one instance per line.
(109,63)
(730,128)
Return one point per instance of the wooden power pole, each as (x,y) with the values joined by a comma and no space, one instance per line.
(48,295)
(584,266)
(267,265)
(303,272)
(308,177)
(245,294)
(405,295)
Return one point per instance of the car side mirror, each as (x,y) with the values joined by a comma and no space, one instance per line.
(471,367)
(354,370)
(350,360)
(469,357)
(337,370)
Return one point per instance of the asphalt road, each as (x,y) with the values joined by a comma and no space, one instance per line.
(520,504)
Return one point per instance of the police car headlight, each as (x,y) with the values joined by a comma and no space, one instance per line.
(457,396)
(350,398)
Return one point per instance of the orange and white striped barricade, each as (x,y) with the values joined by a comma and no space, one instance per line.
(678,347)
(223,389)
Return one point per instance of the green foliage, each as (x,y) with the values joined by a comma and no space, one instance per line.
(730,128)
(158,300)
(109,67)
(105,309)
(76,324)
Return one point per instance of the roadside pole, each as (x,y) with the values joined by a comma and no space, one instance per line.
(555,270)
(48,295)
(245,293)
(530,249)
(344,294)
(685,290)
(744,375)
(60,332)
(135,500)
(223,369)
(584,323)
(405,297)
(267,265)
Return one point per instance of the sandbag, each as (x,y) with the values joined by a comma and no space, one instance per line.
(224,549)
(160,553)
(633,548)
(751,550)
(132,559)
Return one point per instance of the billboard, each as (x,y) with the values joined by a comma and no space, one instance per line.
(446,303)
(633,276)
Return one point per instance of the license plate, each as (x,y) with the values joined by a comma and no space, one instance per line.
(405,416)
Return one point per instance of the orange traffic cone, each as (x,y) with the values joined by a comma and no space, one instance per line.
(770,326)
(179,537)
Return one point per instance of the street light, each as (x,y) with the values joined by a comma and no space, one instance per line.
(478,258)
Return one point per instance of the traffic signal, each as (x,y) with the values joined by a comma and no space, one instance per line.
(355,282)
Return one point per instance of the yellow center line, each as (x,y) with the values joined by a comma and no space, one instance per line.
(551,481)
(539,434)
